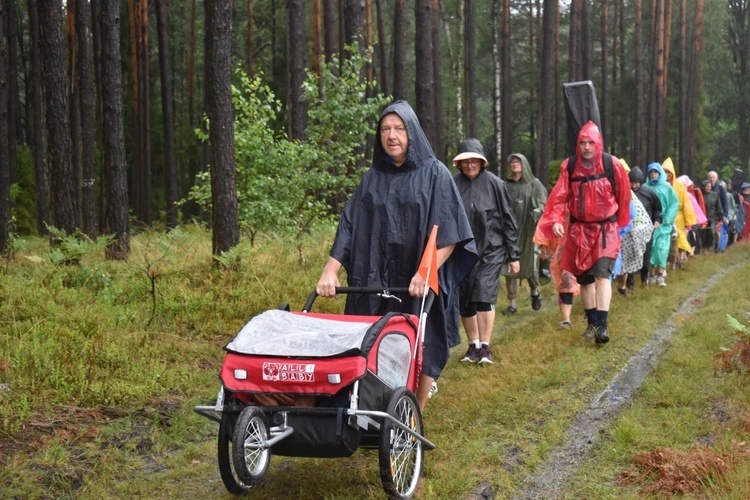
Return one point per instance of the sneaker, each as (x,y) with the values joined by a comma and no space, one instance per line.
(471,356)
(485,356)
(536,301)
(660,281)
(564,324)
(433,389)
(601,336)
(590,331)
(650,281)
(509,310)
(623,291)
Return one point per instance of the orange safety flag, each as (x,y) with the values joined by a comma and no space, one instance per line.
(428,267)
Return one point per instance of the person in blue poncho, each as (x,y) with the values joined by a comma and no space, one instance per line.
(385,226)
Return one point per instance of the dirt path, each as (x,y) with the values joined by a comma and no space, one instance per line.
(555,472)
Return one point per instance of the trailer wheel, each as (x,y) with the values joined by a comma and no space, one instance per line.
(400,453)
(250,456)
(229,477)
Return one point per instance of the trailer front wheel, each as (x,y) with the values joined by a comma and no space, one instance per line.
(250,455)
(229,476)
(400,453)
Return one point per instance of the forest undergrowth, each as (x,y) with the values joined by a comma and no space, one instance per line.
(101,363)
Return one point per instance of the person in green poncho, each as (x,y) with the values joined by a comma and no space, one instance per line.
(528,196)
(657,180)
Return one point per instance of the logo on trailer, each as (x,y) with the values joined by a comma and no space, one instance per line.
(289,372)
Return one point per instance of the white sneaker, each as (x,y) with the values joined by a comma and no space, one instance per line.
(660,281)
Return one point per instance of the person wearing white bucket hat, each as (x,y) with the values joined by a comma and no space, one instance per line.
(491,218)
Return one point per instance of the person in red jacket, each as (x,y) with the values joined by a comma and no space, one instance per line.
(599,204)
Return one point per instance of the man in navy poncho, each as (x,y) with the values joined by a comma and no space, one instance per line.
(385,226)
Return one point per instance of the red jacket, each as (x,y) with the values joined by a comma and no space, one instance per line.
(596,213)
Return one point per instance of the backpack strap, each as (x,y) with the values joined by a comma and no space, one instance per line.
(608,173)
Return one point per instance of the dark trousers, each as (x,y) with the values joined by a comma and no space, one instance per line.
(629,281)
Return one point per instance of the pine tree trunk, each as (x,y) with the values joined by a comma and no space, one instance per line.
(62,200)
(4,150)
(14,114)
(114,166)
(545,89)
(296,51)
(41,187)
(87,101)
(639,123)
(497,109)
(330,38)
(249,45)
(604,94)
(167,99)
(439,145)
(506,90)
(399,50)
(384,79)
(425,78)
(225,222)
(696,80)
(470,77)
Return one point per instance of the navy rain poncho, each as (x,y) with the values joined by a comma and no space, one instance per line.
(384,229)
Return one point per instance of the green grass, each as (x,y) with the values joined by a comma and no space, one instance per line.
(76,339)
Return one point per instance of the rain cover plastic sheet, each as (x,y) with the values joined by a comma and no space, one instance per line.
(282,333)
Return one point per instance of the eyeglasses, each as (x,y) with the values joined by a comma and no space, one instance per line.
(387,130)
(471,163)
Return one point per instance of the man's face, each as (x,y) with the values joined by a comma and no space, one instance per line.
(471,167)
(588,148)
(516,166)
(653,175)
(712,177)
(394,138)
(635,186)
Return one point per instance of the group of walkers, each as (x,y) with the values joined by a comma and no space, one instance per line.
(602,222)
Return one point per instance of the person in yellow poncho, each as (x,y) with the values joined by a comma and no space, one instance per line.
(685,217)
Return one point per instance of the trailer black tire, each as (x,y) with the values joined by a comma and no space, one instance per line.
(231,480)
(401,454)
(249,456)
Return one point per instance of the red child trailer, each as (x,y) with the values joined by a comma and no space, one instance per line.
(322,385)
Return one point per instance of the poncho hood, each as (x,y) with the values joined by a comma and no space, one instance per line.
(526,174)
(662,175)
(685,180)
(636,175)
(668,166)
(419,152)
(591,132)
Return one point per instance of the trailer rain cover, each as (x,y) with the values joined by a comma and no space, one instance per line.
(580,107)
(282,333)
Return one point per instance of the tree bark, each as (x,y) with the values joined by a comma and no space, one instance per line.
(384,79)
(74,107)
(399,50)
(696,82)
(639,123)
(167,113)
(439,146)
(87,102)
(682,89)
(546,90)
(657,70)
(58,130)
(425,78)
(497,109)
(249,44)
(317,37)
(296,49)
(470,78)
(330,38)
(114,166)
(218,40)
(14,114)
(142,191)
(41,187)
(506,90)
(4,150)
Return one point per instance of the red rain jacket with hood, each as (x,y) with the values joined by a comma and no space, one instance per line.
(595,213)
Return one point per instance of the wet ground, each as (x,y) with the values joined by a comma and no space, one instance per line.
(556,471)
